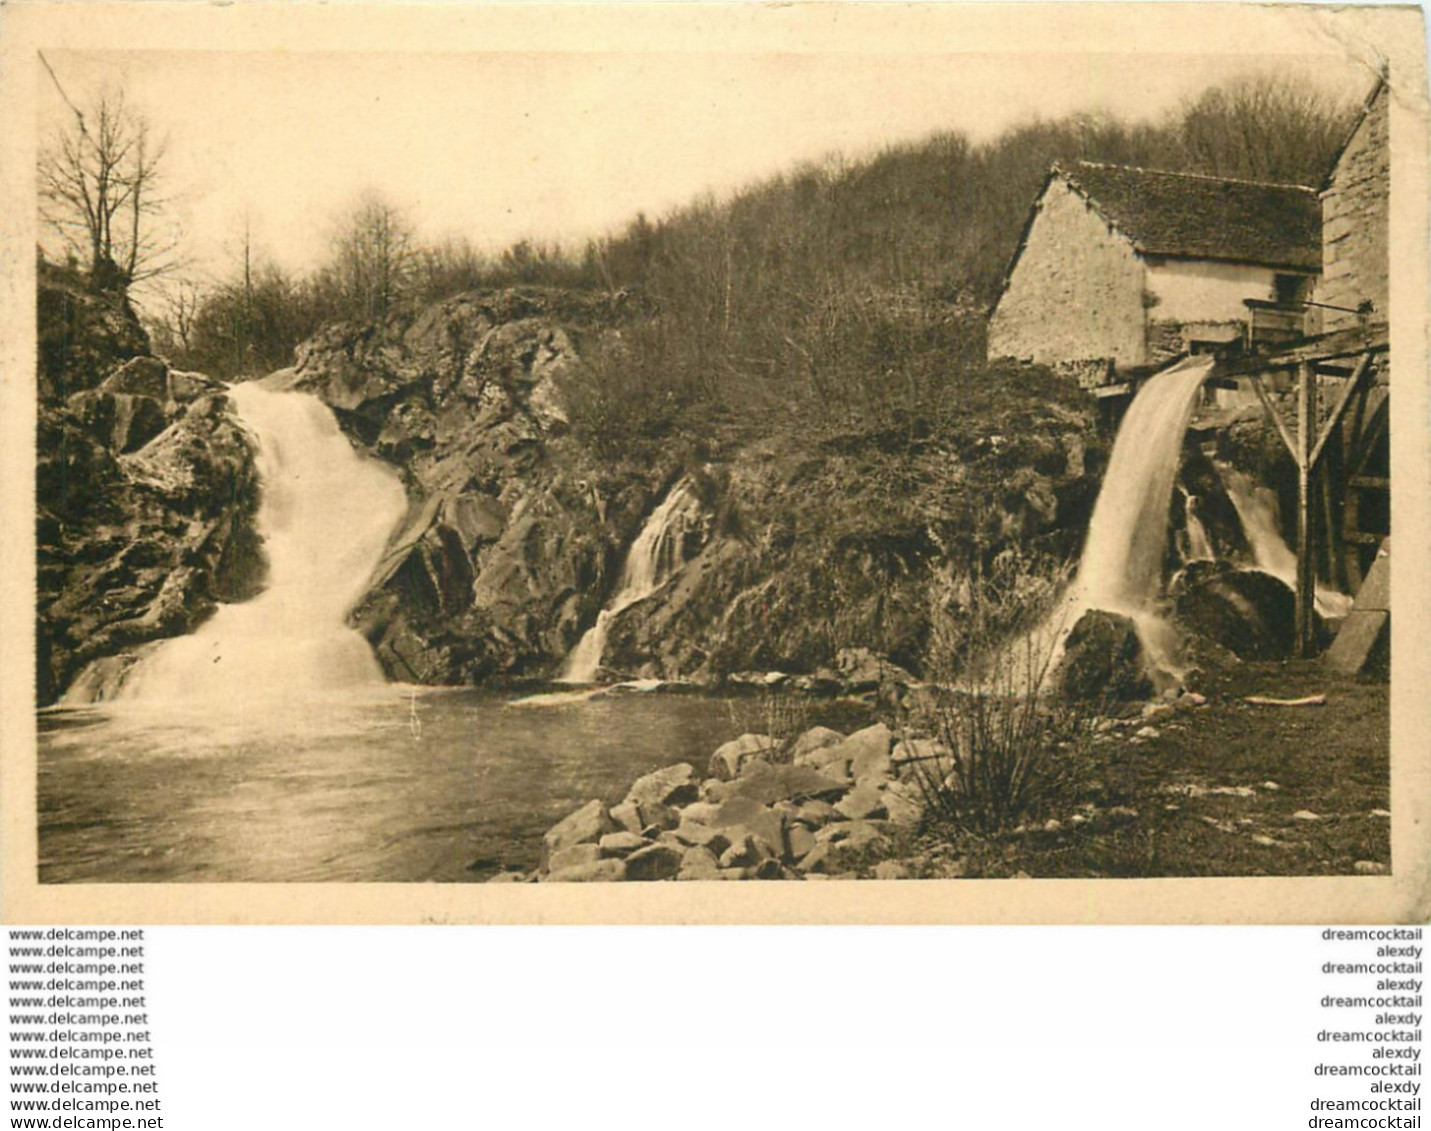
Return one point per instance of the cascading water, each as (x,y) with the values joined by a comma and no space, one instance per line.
(1196,545)
(652,559)
(325,514)
(1256,508)
(1122,566)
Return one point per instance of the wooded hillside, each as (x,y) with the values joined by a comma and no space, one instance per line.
(838,294)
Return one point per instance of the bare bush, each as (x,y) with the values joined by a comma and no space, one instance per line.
(1006,753)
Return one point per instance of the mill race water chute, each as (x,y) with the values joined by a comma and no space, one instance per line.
(1121,569)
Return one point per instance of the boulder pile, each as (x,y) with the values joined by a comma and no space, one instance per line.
(829,806)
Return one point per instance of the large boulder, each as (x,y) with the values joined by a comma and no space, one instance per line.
(861,803)
(576,856)
(1103,658)
(671,786)
(123,422)
(765,784)
(654,862)
(868,751)
(731,758)
(864,755)
(143,527)
(904,804)
(816,738)
(586,826)
(1251,613)
(619,844)
(184,387)
(140,377)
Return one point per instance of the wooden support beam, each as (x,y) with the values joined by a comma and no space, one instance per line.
(1334,422)
(1271,410)
(1306,562)
(1325,347)
(1331,489)
(1365,440)
(1357,421)
(1351,548)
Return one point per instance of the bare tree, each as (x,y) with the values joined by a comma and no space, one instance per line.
(99,188)
(172,329)
(1262,129)
(373,257)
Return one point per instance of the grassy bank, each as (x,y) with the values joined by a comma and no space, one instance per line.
(1225,788)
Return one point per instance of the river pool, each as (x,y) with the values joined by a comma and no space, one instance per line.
(396,785)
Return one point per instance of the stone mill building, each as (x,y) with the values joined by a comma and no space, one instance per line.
(1121,269)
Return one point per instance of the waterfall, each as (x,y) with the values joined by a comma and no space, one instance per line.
(325,514)
(1196,545)
(652,559)
(1256,508)
(1122,566)
(1121,570)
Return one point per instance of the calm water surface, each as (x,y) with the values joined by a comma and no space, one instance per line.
(400,785)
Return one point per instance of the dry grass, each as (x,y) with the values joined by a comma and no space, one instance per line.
(1223,789)
(1008,753)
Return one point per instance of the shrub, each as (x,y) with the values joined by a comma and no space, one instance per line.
(1006,752)
(783,716)
(1002,759)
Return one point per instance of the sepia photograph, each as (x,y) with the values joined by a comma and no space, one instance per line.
(725,455)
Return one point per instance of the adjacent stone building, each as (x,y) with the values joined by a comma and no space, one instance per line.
(1356,199)
(1356,266)
(1120,269)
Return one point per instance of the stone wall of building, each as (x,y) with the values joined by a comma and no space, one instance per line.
(1355,209)
(1164,340)
(1206,290)
(1076,293)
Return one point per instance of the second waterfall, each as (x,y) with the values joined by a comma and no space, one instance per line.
(652,559)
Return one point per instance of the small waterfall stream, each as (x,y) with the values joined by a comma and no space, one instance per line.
(1196,545)
(1256,508)
(325,514)
(654,556)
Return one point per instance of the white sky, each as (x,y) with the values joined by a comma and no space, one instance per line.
(497,147)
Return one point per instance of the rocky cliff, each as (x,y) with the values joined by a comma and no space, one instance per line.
(145,488)
(826,550)
(516,531)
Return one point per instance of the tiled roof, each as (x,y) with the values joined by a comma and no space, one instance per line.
(1189,216)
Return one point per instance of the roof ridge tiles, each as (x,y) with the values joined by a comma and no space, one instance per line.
(1190,176)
